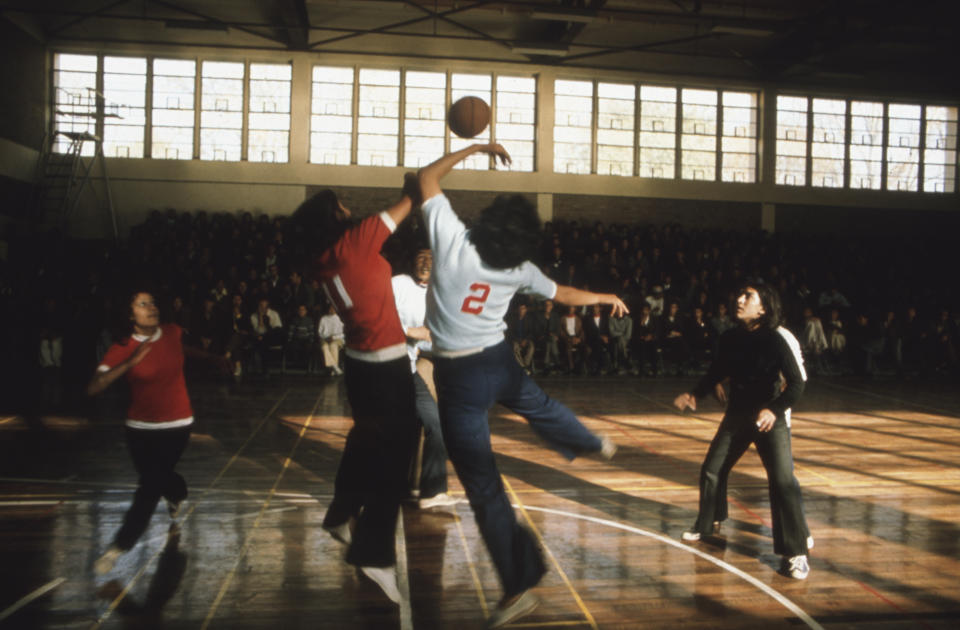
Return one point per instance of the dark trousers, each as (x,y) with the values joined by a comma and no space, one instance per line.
(467,387)
(155,453)
(372,477)
(433,469)
(732,440)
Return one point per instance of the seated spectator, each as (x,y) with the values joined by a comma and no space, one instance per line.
(301,338)
(864,344)
(913,340)
(672,343)
(596,335)
(655,300)
(51,362)
(646,335)
(238,339)
(520,332)
(836,339)
(892,344)
(943,336)
(267,331)
(699,339)
(621,332)
(330,334)
(571,337)
(546,331)
(834,299)
(813,341)
(721,322)
(207,329)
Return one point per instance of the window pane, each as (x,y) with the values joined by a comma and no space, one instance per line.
(791,168)
(516,115)
(903,147)
(738,146)
(75,84)
(698,142)
(480,85)
(658,131)
(866,144)
(615,128)
(573,117)
(378,121)
(268,135)
(125,99)
(940,150)
(425,117)
(221,111)
(172,116)
(331,120)
(828,143)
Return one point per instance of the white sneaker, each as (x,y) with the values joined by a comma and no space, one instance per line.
(341,533)
(336,370)
(513,609)
(109,558)
(439,500)
(607,448)
(386,579)
(690,536)
(797,567)
(809,543)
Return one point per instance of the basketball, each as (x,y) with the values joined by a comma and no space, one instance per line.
(469,116)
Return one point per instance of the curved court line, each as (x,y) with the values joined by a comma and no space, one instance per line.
(26,599)
(776,596)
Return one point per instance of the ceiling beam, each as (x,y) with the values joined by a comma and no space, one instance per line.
(86,16)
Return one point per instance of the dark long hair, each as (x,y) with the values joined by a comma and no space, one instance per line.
(314,226)
(507,232)
(770,300)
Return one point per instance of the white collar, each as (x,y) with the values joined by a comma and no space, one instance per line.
(154,337)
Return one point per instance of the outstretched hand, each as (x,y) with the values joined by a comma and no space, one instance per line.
(617,305)
(497,151)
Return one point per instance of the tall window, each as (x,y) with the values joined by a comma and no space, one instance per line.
(829,142)
(698,141)
(125,100)
(268,125)
(572,127)
(424,121)
(378,121)
(738,147)
(792,140)
(658,131)
(221,111)
(615,128)
(173,104)
(479,85)
(866,144)
(331,119)
(75,103)
(903,146)
(940,150)
(516,115)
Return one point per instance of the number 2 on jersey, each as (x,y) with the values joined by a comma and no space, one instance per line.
(473,304)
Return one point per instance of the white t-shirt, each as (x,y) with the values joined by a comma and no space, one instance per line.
(411,298)
(330,326)
(466,299)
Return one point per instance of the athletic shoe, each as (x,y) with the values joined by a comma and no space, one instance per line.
(341,533)
(809,543)
(439,500)
(386,579)
(797,567)
(173,507)
(512,609)
(109,558)
(692,535)
(336,370)
(607,448)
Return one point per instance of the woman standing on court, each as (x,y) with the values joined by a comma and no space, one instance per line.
(372,476)
(476,273)
(765,367)
(158,419)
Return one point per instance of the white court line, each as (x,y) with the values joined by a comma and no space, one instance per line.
(786,603)
(26,599)
(403,578)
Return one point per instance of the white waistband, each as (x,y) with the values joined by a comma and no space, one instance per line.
(381,355)
(153,426)
(456,354)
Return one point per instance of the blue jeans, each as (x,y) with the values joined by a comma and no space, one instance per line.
(433,470)
(732,440)
(467,387)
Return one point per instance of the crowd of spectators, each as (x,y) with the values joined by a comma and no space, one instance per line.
(862,305)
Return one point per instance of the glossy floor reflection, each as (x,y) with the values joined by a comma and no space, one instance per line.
(879,463)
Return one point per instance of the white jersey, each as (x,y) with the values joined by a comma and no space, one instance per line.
(411,298)
(466,299)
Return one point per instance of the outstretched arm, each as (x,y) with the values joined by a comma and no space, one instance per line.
(577,297)
(431,174)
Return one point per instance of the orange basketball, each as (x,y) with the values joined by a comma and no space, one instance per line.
(469,116)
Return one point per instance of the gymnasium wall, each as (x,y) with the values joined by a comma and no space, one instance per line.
(23,75)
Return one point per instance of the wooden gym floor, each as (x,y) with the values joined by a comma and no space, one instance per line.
(878,461)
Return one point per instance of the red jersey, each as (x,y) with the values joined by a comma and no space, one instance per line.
(158,391)
(356,278)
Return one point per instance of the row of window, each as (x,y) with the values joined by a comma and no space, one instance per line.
(233,111)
